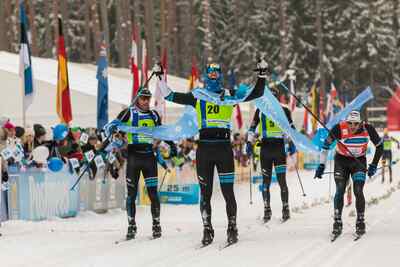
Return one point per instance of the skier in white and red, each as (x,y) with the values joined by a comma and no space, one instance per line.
(350,159)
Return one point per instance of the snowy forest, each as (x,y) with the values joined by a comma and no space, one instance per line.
(353,43)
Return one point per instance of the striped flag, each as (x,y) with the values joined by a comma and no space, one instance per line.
(25,64)
(314,106)
(134,63)
(329,103)
(102,87)
(64,109)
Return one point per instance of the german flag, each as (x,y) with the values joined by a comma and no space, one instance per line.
(64,109)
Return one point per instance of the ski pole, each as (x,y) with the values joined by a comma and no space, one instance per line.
(109,137)
(251,186)
(298,176)
(162,181)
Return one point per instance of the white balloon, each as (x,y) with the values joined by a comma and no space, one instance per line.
(40,154)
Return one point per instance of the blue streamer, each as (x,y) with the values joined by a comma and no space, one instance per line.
(242,92)
(356,104)
(185,127)
(270,106)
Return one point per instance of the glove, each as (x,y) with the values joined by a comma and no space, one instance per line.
(262,68)
(320,171)
(158,70)
(371,170)
(292,148)
(110,128)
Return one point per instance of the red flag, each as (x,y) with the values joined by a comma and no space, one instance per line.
(194,75)
(134,62)
(164,63)
(238,117)
(321,106)
(144,62)
(64,109)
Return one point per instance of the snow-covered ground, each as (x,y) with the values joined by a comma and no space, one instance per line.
(88,240)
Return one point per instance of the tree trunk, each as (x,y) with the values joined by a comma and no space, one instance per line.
(65,17)
(163,25)
(3,27)
(173,37)
(96,27)
(88,27)
(283,33)
(32,25)
(320,46)
(106,28)
(207,34)
(149,26)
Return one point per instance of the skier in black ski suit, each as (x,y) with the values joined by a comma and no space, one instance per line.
(141,159)
(350,159)
(273,153)
(214,149)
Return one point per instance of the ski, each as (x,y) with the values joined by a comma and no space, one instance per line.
(226,245)
(357,236)
(202,246)
(334,237)
(123,240)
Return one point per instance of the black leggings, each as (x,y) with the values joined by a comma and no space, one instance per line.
(273,154)
(146,164)
(387,162)
(344,167)
(219,155)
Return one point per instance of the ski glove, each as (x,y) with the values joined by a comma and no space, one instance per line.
(371,170)
(158,70)
(292,148)
(262,68)
(320,171)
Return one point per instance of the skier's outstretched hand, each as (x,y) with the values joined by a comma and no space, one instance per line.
(320,171)
(158,70)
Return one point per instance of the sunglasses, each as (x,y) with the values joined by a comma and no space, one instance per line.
(213,68)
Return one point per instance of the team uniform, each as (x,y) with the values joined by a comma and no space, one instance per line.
(141,159)
(387,155)
(214,150)
(272,154)
(350,160)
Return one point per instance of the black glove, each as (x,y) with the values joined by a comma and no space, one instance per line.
(320,171)
(371,170)
(262,68)
(158,70)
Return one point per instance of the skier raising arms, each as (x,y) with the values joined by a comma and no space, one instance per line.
(273,154)
(350,159)
(214,149)
(141,159)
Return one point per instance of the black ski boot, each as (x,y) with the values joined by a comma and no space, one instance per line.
(208,235)
(337,227)
(232,234)
(285,212)
(267,214)
(132,229)
(156,228)
(360,225)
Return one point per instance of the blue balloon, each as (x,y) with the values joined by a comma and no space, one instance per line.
(55,164)
(60,132)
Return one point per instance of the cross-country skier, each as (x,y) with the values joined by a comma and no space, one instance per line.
(273,154)
(387,153)
(350,159)
(141,159)
(214,148)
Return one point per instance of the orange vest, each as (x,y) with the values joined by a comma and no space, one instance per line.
(355,143)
